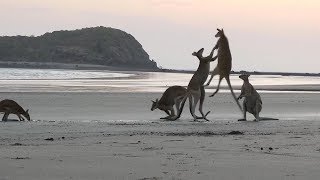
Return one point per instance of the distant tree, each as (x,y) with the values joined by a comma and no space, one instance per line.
(99,46)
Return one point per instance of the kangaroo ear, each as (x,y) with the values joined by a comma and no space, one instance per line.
(200,51)
(222,30)
(152,101)
(157,100)
(218,29)
(27,110)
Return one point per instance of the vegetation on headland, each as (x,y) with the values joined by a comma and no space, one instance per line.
(96,46)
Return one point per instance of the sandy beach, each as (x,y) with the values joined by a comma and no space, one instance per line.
(86,74)
(116,136)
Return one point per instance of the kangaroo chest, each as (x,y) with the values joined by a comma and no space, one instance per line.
(199,77)
(224,58)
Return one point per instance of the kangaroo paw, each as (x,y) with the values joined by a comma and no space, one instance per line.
(242,120)
(204,117)
(167,117)
(173,118)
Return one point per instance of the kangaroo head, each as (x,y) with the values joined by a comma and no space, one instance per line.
(154,105)
(220,33)
(26,115)
(198,54)
(244,76)
(202,59)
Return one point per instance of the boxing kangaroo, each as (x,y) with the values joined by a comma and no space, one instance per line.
(11,107)
(252,102)
(172,96)
(224,65)
(195,90)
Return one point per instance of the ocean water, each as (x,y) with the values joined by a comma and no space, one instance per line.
(126,96)
(59,80)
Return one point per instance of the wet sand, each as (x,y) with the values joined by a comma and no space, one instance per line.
(116,136)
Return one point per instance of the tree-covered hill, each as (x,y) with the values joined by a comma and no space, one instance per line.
(98,45)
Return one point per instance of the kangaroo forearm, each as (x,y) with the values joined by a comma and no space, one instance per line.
(214,58)
(216,46)
(211,77)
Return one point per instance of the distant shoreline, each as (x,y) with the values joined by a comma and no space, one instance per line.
(51,65)
(250,72)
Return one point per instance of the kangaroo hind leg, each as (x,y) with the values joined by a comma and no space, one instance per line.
(244,112)
(213,73)
(177,102)
(202,96)
(196,97)
(218,87)
(257,109)
(167,112)
(179,112)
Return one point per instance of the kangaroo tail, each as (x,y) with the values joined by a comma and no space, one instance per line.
(234,96)
(267,118)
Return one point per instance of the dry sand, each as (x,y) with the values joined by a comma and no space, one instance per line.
(116,136)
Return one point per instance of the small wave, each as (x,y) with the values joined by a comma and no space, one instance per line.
(57,74)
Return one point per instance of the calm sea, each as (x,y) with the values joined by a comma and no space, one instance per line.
(58,80)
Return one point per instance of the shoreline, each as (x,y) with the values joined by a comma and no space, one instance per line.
(70,66)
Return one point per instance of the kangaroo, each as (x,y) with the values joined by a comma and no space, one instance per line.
(224,65)
(11,107)
(252,102)
(195,90)
(172,96)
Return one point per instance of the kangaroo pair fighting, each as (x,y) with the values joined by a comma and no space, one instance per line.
(195,89)
(194,92)
(11,107)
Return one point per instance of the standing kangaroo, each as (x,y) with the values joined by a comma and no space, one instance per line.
(195,90)
(11,107)
(172,96)
(224,65)
(252,102)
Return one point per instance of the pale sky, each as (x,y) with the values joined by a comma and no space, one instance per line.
(264,35)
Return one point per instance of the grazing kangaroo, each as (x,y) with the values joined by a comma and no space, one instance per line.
(172,96)
(224,65)
(195,90)
(252,102)
(11,107)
